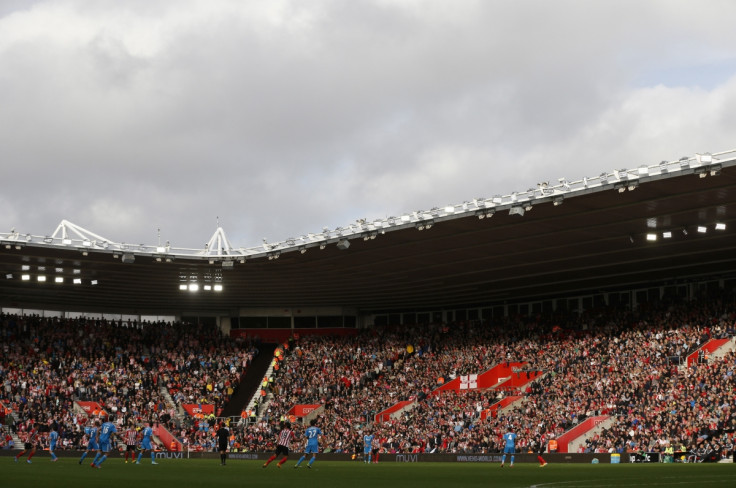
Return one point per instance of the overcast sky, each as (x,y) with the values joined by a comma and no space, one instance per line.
(282,117)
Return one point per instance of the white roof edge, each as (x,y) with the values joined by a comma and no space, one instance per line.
(220,248)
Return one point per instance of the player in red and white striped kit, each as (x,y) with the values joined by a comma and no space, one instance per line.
(130,436)
(282,446)
(29,446)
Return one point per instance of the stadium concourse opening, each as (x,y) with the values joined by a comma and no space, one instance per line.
(593,317)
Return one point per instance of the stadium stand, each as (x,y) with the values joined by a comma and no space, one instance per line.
(630,366)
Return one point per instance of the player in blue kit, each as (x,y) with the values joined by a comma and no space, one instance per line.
(106,439)
(92,446)
(312,434)
(53,439)
(367,446)
(146,444)
(510,446)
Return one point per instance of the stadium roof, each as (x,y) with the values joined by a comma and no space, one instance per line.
(554,240)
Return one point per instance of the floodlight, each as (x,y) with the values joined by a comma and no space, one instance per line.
(66,241)
(41,278)
(651,237)
(702,229)
(720,226)
(183,286)
(25,267)
(77,281)
(87,243)
(218,287)
(93,282)
(666,235)
(207,287)
(59,279)
(558,200)
(25,277)
(193,287)
(9,276)
(705,158)
(516,211)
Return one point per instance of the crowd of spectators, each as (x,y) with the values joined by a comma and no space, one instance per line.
(134,371)
(628,364)
(603,363)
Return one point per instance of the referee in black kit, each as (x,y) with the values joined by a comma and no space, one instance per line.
(223,437)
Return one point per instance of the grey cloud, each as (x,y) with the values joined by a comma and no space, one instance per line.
(339,110)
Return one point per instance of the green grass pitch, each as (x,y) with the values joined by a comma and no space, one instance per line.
(207,473)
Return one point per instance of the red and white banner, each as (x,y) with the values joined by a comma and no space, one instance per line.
(469,382)
(194,408)
(92,408)
(303,410)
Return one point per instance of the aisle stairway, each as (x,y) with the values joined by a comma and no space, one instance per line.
(251,381)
